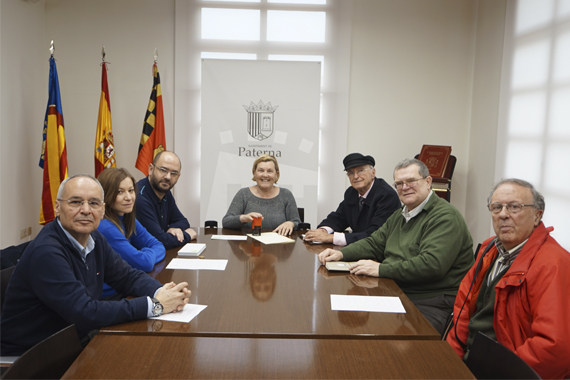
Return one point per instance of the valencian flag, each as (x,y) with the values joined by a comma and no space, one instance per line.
(104,145)
(54,152)
(152,138)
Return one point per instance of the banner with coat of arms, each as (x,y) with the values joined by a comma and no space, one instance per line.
(250,108)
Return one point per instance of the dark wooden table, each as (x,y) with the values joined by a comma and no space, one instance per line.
(278,291)
(176,357)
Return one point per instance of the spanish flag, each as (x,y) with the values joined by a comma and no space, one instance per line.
(53,159)
(152,138)
(104,145)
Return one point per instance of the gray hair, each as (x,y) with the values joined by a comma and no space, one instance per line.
(64,182)
(422,168)
(537,198)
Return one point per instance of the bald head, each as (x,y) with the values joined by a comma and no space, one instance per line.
(80,206)
(169,157)
(61,189)
(164,172)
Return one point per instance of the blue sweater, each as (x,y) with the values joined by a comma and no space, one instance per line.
(158,215)
(141,250)
(52,288)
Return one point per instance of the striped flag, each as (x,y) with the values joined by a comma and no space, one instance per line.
(152,138)
(104,145)
(53,159)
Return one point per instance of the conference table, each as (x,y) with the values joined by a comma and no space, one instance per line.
(269,315)
(177,357)
(278,291)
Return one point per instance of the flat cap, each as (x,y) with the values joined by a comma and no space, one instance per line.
(357,159)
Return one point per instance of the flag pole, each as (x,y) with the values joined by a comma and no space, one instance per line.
(153,140)
(104,140)
(53,157)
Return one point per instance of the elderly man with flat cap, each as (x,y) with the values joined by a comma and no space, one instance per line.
(367,204)
(425,247)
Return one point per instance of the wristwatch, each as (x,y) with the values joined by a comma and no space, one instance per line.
(156,307)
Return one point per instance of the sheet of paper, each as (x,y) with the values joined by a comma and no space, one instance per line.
(229,237)
(367,303)
(271,238)
(186,315)
(197,264)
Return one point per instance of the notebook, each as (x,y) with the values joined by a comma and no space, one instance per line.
(192,249)
(338,266)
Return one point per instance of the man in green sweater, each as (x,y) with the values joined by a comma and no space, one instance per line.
(425,246)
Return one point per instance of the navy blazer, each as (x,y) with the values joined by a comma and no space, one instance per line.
(380,203)
(158,215)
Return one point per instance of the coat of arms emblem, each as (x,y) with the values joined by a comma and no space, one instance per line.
(260,120)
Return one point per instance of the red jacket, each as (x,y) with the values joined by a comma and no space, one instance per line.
(532,305)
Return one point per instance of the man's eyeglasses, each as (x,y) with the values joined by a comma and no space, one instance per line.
(512,207)
(409,182)
(78,203)
(165,171)
(359,172)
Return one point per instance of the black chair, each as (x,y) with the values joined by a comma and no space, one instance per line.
(211,224)
(489,359)
(448,326)
(303,225)
(5,275)
(10,256)
(49,359)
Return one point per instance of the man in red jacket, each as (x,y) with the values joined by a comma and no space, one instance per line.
(517,290)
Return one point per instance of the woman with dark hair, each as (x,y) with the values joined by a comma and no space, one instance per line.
(120,227)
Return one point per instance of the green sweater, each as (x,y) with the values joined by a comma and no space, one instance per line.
(427,256)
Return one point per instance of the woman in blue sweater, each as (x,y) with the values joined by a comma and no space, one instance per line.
(120,227)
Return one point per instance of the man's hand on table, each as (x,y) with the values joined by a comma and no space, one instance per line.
(320,235)
(365,267)
(173,297)
(330,254)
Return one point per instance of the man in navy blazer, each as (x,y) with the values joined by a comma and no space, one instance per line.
(366,205)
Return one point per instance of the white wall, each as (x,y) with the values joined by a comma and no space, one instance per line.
(411,73)
(24,69)
(484,115)
(428,72)
(417,69)
(130,31)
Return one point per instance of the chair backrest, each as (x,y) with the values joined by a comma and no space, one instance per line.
(5,275)
(10,256)
(448,326)
(303,225)
(301,211)
(211,224)
(49,359)
(489,359)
